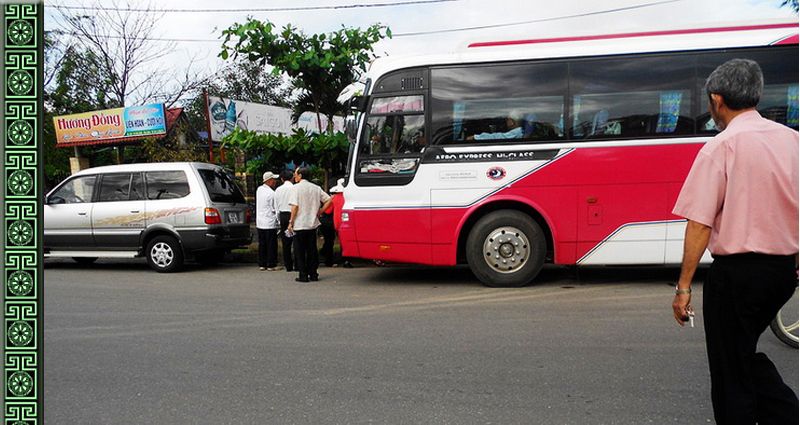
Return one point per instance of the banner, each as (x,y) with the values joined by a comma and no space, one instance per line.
(227,114)
(147,120)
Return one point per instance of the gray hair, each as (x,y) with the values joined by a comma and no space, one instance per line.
(739,82)
(304,172)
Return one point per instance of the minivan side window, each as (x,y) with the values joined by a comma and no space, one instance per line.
(114,187)
(76,191)
(166,184)
(137,187)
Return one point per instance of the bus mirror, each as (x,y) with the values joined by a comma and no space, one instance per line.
(359,103)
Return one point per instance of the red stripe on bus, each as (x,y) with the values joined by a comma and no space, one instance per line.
(636,34)
(792,39)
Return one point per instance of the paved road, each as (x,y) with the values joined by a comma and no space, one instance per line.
(394,345)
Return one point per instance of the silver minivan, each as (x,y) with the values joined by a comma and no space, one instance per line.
(164,212)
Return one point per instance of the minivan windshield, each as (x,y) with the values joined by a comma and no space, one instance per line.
(221,188)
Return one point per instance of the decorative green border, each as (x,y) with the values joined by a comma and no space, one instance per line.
(22,223)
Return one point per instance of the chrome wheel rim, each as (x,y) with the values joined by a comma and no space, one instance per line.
(789,330)
(506,249)
(162,254)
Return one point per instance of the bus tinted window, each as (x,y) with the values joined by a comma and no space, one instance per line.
(631,97)
(779,99)
(394,134)
(498,103)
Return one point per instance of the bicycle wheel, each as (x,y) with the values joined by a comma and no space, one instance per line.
(786,324)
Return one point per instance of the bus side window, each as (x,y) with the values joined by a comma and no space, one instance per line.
(498,103)
(631,97)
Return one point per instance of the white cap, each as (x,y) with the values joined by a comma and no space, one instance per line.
(339,188)
(269,175)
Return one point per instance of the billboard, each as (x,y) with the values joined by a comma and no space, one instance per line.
(227,114)
(147,120)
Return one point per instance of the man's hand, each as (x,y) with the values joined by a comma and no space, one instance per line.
(680,307)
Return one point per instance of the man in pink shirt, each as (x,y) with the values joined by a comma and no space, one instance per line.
(740,199)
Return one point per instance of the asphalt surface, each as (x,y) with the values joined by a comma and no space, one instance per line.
(371,345)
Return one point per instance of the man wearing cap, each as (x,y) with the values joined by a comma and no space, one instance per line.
(267,223)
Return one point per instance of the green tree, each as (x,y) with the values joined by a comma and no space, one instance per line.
(320,65)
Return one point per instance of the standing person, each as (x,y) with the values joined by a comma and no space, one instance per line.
(328,232)
(284,213)
(308,201)
(740,199)
(337,202)
(267,223)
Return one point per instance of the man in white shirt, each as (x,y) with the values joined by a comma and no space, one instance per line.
(308,201)
(267,223)
(284,213)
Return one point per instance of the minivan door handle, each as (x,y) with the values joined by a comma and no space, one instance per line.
(81,213)
(134,211)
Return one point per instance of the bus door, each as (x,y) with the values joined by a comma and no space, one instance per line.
(391,204)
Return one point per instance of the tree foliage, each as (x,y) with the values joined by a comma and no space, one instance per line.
(320,65)
(273,151)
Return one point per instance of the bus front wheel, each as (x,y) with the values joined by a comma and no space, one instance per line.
(506,248)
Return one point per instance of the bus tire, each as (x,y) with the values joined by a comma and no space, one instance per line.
(506,248)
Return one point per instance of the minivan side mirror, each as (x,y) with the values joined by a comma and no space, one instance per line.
(54,200)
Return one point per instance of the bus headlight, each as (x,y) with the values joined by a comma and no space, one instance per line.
(345,217)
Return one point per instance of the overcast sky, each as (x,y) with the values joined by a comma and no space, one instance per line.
(505,19)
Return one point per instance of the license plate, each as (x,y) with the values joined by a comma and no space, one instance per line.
(234,218)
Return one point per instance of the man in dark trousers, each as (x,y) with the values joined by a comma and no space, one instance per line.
(284,212)
(740,199)
(267,223)
(308,201)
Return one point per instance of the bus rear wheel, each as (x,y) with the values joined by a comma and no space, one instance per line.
(506,248)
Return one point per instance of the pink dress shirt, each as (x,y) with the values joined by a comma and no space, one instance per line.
(744,185)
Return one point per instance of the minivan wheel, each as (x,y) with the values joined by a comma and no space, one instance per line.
(84,261)
(164,254)
(506,248)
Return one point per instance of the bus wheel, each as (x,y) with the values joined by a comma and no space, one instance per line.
(506,248)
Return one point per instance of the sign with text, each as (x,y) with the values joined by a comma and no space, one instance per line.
(227,114)
(147,120)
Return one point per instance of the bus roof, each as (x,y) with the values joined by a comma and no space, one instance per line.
(718,36)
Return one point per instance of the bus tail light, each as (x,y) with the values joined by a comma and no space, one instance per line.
(212,216)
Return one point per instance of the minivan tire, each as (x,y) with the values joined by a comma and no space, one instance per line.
(164,254)
(506,248)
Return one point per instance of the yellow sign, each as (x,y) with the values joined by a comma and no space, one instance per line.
(111,124)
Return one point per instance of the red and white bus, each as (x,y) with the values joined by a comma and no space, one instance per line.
(569,151)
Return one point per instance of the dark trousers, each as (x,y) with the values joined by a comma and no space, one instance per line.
(305,252)
(328,237)
(741,296)
(267,247)
(286,242)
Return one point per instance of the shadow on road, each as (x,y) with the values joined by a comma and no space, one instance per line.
(561,275)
